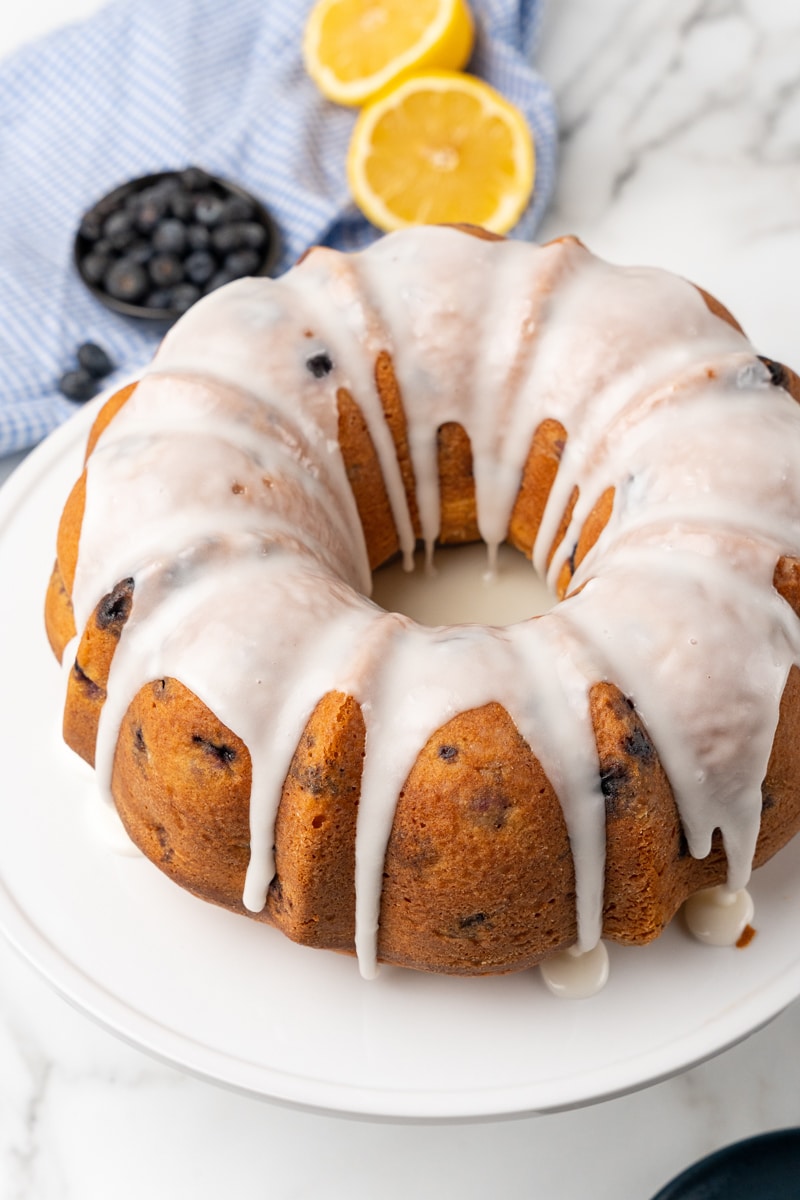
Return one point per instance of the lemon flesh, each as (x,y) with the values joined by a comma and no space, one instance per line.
(354,49)
(441,147)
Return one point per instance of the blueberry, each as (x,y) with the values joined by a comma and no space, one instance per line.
(144,195)
(195,179)
(119,229)
(238,208)
(777,372)
(148,214)
(140,251)
(225,238)
(110,203)
(320,364)
(126,280)
(199,266)
(134,202)
(253,234)
(222,277)
(165,270)
(208,210)
(77,385)
(243,262)
(94,359)
(164,189)
(198,237)
(186,231)
(181,205)
(184,296)
(160,298)
(169,236)
(91,226)
(95,265)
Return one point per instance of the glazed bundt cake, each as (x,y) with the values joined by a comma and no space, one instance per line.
(461,799)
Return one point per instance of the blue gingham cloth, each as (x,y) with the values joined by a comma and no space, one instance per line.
(153,85)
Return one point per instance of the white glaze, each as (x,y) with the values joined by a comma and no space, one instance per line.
(574,975)
(105,826)
(250,563)
(718,916)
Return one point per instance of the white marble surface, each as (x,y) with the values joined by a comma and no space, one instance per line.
(681,146)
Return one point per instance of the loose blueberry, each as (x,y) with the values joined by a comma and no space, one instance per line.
(126,280)
(94,359)
(77,385)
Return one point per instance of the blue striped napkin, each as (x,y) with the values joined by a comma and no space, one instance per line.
(152,85)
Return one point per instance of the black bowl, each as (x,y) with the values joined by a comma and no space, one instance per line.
(766,1167)
(194,186)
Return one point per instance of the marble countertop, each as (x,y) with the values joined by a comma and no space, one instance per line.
(680,147)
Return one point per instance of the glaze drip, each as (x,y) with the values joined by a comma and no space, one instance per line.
(220,488)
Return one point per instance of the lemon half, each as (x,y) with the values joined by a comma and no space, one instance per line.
(353,49)
(441,147)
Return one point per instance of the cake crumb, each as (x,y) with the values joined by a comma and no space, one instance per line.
(745,937)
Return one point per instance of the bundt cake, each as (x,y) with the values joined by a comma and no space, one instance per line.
(462,799)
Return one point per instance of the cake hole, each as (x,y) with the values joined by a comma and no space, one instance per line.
(458,593)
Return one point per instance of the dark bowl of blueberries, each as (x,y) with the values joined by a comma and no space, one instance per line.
(156,245)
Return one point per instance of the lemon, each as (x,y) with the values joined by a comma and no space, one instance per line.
(441,147)
(353,49)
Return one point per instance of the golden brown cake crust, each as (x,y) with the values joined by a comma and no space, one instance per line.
(478,875)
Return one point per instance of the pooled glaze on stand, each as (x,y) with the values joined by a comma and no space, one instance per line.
(221,488)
